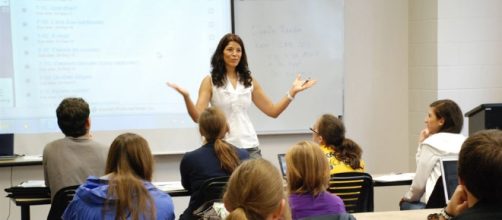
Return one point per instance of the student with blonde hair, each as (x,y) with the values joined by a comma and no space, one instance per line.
(344,154)
(126,191)
(215,158)
(255,191)
(308,178)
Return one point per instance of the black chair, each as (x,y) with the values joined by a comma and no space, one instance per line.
(355,189)
(61,200)
(212,189)
(437,198)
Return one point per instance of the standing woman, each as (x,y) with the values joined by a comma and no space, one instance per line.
(126,191)
(344,155)
(215,158)
(232,88)
(440,138)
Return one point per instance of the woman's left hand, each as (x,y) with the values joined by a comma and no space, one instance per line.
(300,85)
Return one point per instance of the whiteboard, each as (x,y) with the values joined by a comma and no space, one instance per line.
(282,38)
(286,37)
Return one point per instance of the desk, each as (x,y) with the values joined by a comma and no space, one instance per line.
(25,204)
(419,214)
(172,188)
(22,161)
(392,179)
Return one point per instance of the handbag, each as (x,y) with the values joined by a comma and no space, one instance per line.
(211,210)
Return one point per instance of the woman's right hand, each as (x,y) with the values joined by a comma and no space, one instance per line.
(179,89)
(423,135)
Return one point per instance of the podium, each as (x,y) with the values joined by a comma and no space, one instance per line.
(485,116)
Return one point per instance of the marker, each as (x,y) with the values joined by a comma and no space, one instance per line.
(306,81)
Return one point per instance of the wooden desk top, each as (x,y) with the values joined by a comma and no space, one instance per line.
(420,214)
(22,161)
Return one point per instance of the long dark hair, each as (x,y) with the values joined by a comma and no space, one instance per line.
(332,130)
(219,70)
(131,162)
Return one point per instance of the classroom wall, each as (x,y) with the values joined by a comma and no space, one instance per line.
(422,69)
(469,52)
(376,83)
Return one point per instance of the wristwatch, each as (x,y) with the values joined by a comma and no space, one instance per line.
(445,214)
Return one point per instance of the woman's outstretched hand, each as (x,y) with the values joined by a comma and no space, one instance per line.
(179,89)
(300,84)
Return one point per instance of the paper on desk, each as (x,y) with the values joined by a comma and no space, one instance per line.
(32,157)
(32,183)
(169,186)
(394,177)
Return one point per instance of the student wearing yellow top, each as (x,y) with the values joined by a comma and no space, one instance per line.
(344,155)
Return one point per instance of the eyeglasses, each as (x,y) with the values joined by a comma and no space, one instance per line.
(314,131)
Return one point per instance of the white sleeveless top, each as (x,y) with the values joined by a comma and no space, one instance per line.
(235,104)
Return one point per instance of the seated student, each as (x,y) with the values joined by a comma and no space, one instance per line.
(70,160)
(308,178)
(125,192)
(255,191)
(344,155)
(479,193)
(215,158)
(440,138)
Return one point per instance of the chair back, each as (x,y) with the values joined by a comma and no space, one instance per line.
(437,198)
(213,189)
(355,189)
(61,200)
(341,216)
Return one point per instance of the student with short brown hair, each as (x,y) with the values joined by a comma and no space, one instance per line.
(479,193)
(308,178)
(70,160)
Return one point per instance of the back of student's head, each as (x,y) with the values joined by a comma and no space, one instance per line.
(480,165)
(130,162)
(213,127)
(308,169)
(449,111)
(72,115)
(255,191)
(332,131)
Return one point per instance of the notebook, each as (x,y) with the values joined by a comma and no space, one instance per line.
(282,163)
(449,176)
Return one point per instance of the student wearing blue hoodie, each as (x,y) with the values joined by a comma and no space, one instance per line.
(125,192)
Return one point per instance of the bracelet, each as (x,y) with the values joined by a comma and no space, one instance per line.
(289,96)
(445,214)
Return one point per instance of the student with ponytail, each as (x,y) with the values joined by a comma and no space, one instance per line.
(344,155)
(214,159)
(125,192)
(255,191)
